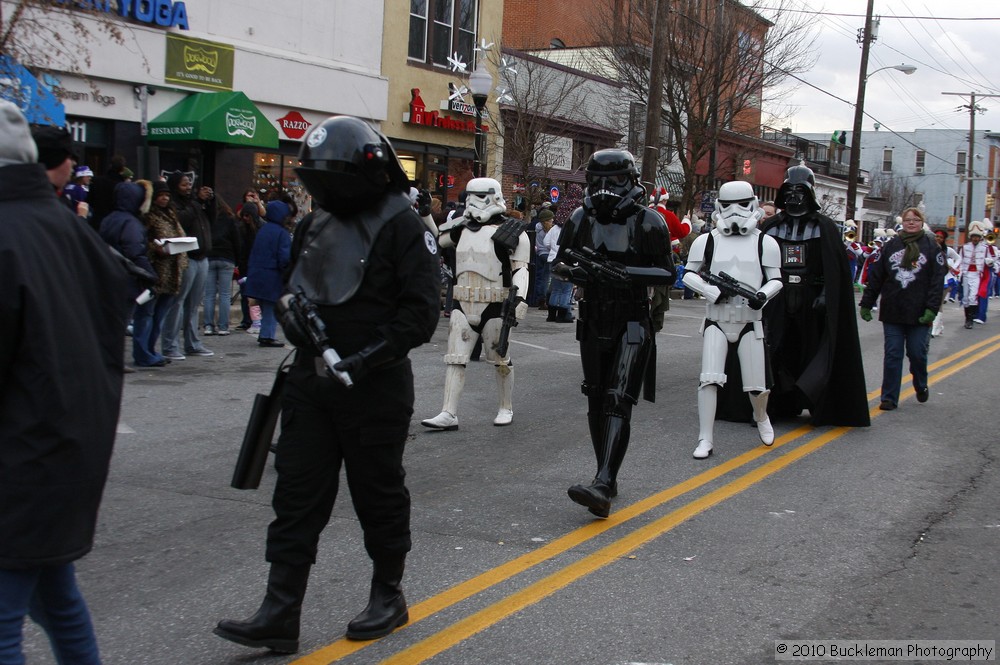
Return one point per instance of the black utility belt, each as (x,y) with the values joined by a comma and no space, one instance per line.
(794,280)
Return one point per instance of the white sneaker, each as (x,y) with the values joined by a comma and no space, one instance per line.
(504,417)
(703,450)
(209,330)
(765,431)
(443,421)
(978,321)
(223,332)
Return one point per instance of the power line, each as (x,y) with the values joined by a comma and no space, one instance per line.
(924,18)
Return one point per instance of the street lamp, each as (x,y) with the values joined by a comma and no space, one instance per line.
(480,83)
(859,112)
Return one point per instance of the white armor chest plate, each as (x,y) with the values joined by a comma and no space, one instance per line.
(477,268)
(738,257)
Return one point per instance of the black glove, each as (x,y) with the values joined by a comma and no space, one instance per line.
(423,203)
(758,301)
(360,364)
(567,273)
(820,302)
(295,331)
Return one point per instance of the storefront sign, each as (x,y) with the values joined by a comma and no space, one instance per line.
(419,115)
(198,63)
(164,13)
(293,125)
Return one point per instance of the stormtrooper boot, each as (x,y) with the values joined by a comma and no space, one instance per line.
(454,381)
(597,495)
(708,397)
(505,388)
(764,429)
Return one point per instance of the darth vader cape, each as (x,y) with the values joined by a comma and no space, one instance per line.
(833,381)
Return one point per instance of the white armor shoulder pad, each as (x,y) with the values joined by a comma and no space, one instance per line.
(770,253)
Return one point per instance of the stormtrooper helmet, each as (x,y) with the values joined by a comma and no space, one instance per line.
(483,200)
(737,210)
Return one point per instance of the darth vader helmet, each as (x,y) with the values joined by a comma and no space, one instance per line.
(347,165)
(483,200)
(797,195)
(737,210)
(612,185)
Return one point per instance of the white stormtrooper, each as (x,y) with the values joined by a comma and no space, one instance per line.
(492,253)
(737,269)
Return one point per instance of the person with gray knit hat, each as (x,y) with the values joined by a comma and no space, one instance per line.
(59,400)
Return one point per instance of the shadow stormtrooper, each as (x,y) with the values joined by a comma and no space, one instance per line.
(615,248)
(734,249)
(492,252)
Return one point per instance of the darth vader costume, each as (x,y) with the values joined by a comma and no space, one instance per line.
(812,328)
(613,228)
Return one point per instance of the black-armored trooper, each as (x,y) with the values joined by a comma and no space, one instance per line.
(369,265)
(614,247)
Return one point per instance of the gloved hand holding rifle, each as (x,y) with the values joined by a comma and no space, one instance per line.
(302,322)
(730,286)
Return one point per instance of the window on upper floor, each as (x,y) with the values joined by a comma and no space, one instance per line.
(887,160)
(960,162)
(439,28)
(921,161)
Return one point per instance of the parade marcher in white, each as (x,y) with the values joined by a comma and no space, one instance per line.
(737,269)
(976,258)
(855,250)
(492,253)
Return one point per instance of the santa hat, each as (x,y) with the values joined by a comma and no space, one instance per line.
(658,194)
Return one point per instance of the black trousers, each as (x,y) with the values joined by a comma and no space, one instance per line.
(325,426)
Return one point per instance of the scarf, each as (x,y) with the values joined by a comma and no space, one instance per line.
(912,252)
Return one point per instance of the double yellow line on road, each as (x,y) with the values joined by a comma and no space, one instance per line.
(475,623)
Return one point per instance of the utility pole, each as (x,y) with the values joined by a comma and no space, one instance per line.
(654,106)
(854,168)
(713,153)
(970,158)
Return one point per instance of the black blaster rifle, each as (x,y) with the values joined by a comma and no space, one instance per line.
(508,319)
(605,269)
(304,311)
(730,286)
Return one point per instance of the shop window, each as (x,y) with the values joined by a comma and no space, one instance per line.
(439,28)
(274,176)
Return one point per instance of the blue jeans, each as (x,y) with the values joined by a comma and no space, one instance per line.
(219,282)
(146,328)
(51,598)
(183,313)
(268,319)
(561,294)
(542,272)
(916,340)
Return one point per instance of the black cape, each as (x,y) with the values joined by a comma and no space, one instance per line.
(834,379)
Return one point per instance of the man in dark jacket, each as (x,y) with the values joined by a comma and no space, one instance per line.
(60,390)
(195,212)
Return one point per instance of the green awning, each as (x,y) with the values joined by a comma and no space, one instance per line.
(224,117)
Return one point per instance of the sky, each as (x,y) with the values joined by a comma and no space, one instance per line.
(952,51)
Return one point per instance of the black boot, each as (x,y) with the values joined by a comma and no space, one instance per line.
(610,453)
(970,313)
(564,315)
(386,609)
(552,313)
(275,626)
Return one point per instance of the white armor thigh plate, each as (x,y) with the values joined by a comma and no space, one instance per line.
(461,340)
